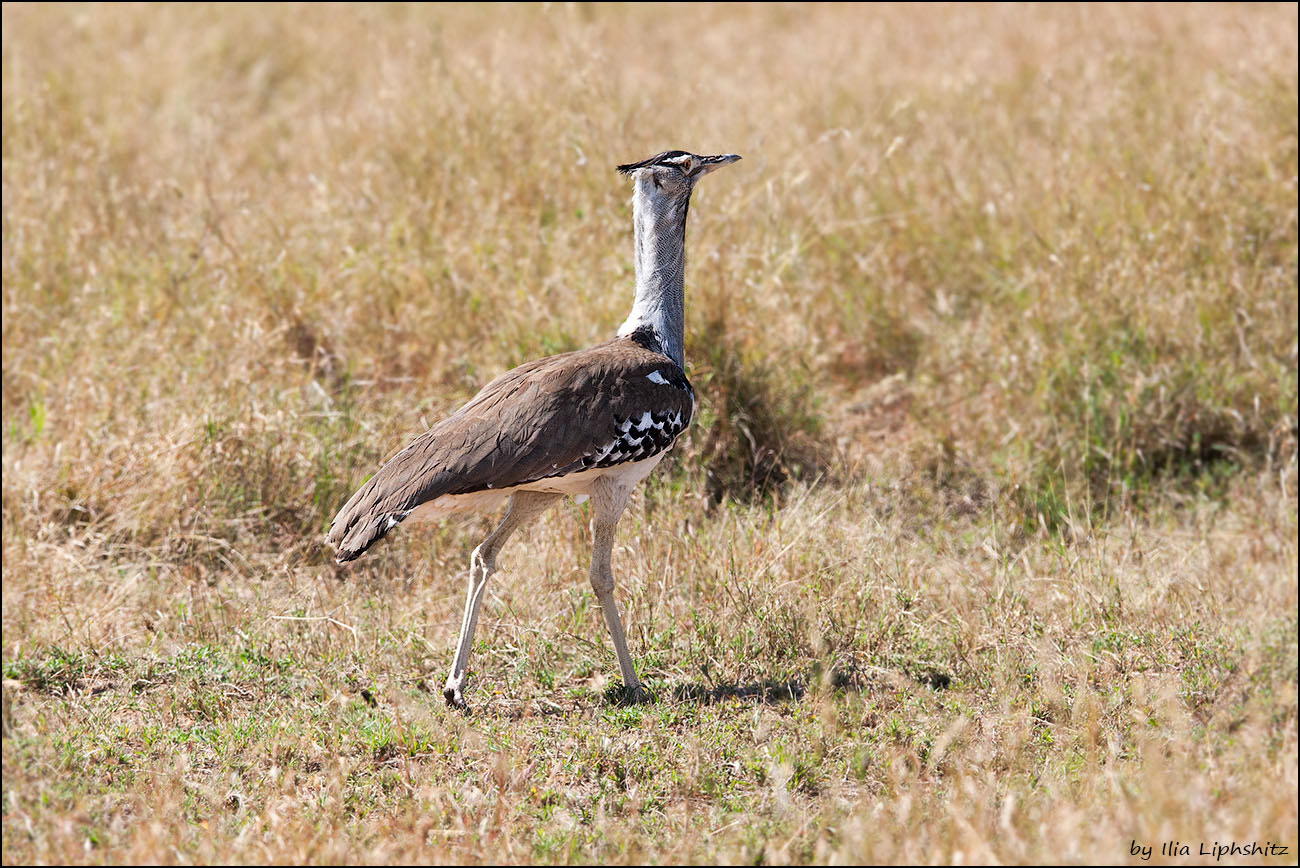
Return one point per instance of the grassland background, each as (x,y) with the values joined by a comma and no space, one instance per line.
(983,546)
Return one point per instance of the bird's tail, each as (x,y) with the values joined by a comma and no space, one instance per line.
(362,522)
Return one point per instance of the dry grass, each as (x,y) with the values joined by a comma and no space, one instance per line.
(983,548)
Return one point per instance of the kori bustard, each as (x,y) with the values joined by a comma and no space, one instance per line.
(591,423)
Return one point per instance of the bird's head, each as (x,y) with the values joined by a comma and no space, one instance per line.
(674,173)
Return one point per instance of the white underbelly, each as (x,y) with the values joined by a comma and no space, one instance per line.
(576,485)
(579,484)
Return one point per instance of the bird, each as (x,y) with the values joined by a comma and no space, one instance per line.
(592,423)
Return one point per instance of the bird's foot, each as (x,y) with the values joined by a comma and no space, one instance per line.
(454,698)
(622,695)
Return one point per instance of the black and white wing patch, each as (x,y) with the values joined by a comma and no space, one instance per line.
(656,405)
(637,439)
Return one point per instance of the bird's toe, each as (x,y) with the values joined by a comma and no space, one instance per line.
(454,698)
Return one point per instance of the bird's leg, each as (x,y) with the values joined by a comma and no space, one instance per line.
(608,501)
(524,506)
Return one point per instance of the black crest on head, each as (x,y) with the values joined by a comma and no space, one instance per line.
(629,168)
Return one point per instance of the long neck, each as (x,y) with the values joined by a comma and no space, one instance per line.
(659,225)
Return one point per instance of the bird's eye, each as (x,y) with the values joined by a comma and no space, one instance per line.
(686,164)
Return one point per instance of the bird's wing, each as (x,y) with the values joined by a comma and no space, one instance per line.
(599,407)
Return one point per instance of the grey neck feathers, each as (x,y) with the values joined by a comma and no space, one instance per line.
(659,225)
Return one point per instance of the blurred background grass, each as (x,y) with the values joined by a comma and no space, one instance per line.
(990,278)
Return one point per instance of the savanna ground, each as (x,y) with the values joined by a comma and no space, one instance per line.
(982,546)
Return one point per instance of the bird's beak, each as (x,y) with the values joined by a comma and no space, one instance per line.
(708,164)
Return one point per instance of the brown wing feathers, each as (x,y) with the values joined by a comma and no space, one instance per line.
(599,407)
